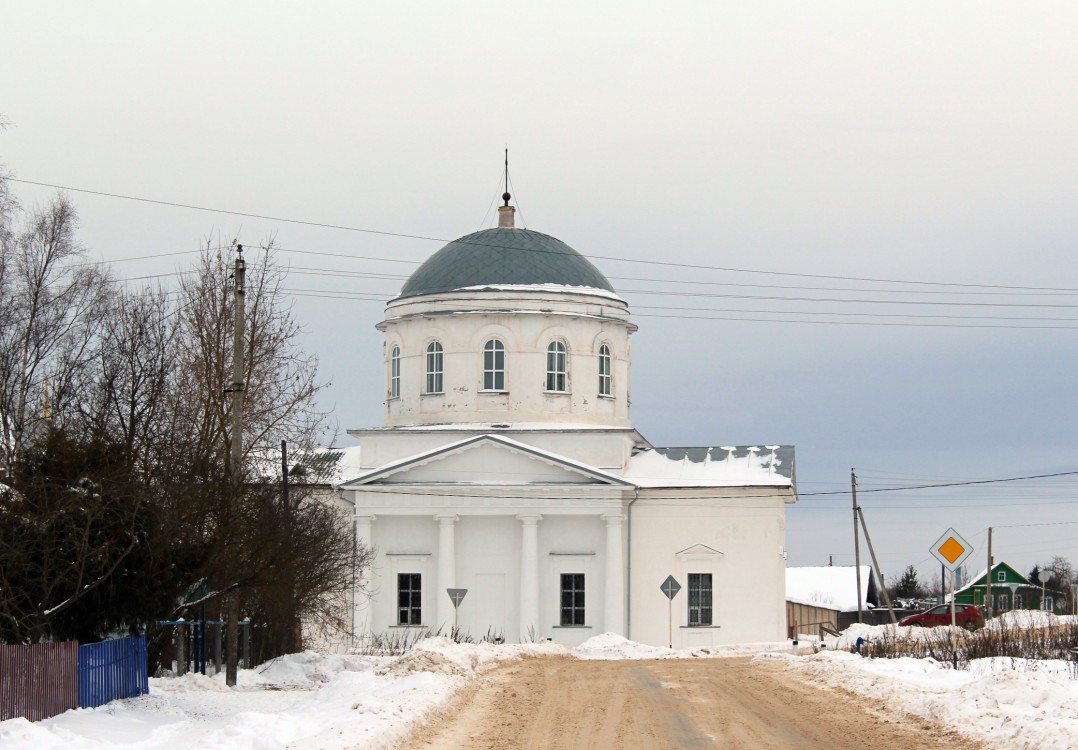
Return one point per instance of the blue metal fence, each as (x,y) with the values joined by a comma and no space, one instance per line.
(112,670)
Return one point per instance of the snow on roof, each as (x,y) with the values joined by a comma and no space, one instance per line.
(328,465)
(487,426)
(725,466)
(831,587)
(589,291)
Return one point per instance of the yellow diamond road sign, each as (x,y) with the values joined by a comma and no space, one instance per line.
(951,549)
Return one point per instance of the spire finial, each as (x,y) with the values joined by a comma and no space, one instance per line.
(505,195)
(505,213)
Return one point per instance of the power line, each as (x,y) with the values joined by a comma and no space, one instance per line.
(669,264)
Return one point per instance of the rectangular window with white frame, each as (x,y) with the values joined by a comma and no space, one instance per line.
(409,599)
(572,599)
(700,609)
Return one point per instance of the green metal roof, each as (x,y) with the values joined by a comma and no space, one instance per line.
(496,257)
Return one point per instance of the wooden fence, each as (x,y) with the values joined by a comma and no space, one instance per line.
(38,681)
(46,679)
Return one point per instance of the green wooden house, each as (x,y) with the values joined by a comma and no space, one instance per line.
(1009,590)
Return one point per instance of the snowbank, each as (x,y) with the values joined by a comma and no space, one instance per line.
(334,702)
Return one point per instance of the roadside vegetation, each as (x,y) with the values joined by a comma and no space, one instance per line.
(118,508)
(1016,636)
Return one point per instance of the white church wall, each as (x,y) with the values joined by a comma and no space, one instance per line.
(582,327)
(488,565)
(607,450)
(567,545)
(677,533)
(403,545)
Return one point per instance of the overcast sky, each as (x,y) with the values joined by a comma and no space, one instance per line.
(829,152)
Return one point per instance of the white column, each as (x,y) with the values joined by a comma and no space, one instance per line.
(614,598)
(529,577)
(447,572)
(362,616)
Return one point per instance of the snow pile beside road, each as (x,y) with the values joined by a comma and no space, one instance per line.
(307,700)
(334,702)
(1033,706)
(613,646)
(442,655)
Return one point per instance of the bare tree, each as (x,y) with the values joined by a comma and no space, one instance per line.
(51,301)
(132,376)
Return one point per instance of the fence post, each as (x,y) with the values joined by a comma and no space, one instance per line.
(246,643)
(181,650)
(217,648)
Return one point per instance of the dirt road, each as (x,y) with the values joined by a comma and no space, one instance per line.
(662,705)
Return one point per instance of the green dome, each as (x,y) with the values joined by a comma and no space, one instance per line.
(503,256)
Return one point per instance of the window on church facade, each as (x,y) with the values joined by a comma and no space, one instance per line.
(395,373)
(557,368)
(409,599)
(435,364)
(699,599)
(494,366)
(572,599)
(606,379)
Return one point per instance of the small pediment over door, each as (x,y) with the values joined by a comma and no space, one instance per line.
(699,552)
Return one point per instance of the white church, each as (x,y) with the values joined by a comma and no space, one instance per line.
(508,468)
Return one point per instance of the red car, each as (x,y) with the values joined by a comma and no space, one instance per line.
(965,615)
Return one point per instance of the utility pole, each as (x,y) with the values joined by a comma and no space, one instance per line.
(988,580)
(856,544)
(876,565)
(292,636)
(232,667)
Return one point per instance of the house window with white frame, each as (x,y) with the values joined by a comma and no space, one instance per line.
(494,366)
(699,599)
(409,599)
(557,368)
(606,378)
(572,599)
(395,372)
(1001,576)
(435,364)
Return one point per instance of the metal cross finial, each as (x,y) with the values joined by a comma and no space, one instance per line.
(505,195)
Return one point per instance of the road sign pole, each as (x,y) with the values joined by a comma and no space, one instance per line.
(670,619)
(670,587)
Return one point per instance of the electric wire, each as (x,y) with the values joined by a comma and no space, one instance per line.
(670,264)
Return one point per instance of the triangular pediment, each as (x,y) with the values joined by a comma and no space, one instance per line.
(699,552)
(486,459)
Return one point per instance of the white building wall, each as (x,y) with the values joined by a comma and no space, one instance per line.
(488,564)
(747,565)
(583,322)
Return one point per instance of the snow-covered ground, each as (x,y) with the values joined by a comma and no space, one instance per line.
(316,701)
